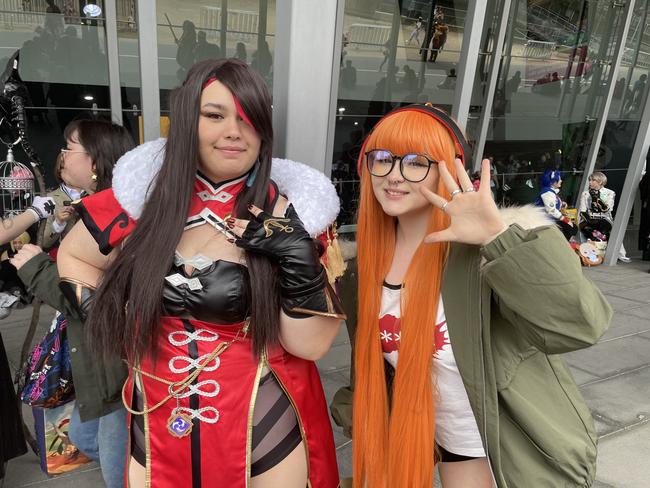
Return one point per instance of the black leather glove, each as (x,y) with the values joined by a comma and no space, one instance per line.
(303,280)
(79,295)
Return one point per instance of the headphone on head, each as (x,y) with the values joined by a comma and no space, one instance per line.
(463,151)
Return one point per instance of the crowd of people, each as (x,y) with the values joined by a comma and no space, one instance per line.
(197,275)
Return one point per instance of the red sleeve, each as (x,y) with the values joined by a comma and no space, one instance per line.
(105,219)
(322,238)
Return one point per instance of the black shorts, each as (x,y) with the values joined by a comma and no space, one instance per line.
(450,457)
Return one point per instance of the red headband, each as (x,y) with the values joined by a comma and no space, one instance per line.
(240,110)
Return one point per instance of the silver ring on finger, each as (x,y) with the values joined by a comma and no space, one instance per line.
(456,192)
(469,190)
(444,207)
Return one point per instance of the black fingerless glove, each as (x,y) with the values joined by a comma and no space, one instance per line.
(303,280)
(79,295)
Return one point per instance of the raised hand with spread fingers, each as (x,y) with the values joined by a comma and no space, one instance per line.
(475,218)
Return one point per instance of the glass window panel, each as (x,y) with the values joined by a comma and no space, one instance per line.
(623,119)
(63,53)
(193,30)
(551,90)
(128,48)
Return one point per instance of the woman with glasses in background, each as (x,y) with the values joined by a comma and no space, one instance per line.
(98,424)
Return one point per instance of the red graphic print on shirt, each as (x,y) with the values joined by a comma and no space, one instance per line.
(390,334)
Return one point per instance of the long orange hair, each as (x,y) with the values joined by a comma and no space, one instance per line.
(394,445)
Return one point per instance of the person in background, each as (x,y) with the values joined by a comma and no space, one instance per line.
(596,206)
(262,60)
(98,424)
(348,75)
(204,49)
(240,52)
(385,51)
(415,34)
(644,228)
(9,281)
(549,198)
(64,218)
(449,82)
(185,51)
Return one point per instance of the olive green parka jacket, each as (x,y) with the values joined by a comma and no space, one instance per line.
(512,307)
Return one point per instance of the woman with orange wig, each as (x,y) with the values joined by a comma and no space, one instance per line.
(475,302)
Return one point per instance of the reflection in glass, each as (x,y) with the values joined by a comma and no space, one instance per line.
(194,30)
(552,87)
(623,118)
(62,53)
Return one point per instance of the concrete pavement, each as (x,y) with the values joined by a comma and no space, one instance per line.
(614,377)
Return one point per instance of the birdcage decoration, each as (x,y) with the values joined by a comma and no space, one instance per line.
(16,185)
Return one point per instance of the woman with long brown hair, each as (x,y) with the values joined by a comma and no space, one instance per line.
(209,284)
(461,311)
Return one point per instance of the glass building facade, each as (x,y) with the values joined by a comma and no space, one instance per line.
(535,84)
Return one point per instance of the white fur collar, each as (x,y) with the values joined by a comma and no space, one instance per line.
(526,216)
(310,191)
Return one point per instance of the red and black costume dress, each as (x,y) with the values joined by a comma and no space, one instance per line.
(204,308)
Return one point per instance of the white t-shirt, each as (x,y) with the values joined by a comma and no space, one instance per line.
(456,429)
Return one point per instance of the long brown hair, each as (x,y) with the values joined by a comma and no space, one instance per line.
(394,444)
(136,277)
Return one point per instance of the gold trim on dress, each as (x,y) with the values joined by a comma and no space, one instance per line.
(147,434)
(249,424)
(340,316)
(129,447)
(297,412)
(77,282)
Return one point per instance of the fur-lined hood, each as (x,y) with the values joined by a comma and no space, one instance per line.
(312,194)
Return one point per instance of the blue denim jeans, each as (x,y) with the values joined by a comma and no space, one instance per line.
(104,440)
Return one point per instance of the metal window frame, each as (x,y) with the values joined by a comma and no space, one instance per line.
(472,33)
(630,187)
(148,53)
(281,61)
(334,90)
(599,130)
(302,99)
(497,57)
(113,56)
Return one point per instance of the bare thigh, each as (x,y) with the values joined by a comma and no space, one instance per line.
(137,474)
(474,473)
(291,472)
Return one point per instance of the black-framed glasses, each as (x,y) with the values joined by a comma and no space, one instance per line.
(65,151)
(414,167)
